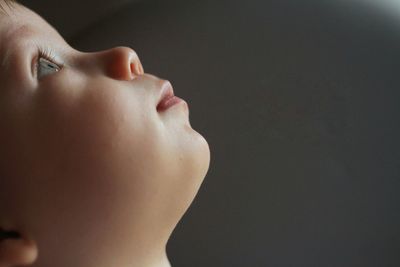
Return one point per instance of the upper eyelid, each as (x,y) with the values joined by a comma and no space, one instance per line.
(46,54)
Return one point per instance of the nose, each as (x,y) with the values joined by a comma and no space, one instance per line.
(122,63)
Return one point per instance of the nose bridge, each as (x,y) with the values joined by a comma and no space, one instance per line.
(123,63)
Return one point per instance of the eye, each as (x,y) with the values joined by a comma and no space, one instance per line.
(46,67)
(45,63)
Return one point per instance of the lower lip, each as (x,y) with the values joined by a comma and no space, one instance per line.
(165,104)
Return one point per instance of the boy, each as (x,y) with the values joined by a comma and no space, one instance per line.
(98,160)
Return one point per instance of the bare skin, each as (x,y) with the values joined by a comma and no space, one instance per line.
(91,173)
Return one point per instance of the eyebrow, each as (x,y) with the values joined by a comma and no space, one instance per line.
(9,4)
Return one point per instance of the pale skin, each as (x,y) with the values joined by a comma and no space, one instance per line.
(91,173)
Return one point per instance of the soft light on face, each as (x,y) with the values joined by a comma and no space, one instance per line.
(91,166)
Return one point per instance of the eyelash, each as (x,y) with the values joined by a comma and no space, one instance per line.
(46,54)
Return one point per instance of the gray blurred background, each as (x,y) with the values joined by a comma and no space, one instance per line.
(299,101)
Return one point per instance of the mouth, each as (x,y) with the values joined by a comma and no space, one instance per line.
(167,97)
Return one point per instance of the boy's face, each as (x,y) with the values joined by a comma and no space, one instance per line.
(90,165)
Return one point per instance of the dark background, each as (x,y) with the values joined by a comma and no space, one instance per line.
(299,101)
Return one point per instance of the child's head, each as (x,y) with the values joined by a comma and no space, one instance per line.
(91,172)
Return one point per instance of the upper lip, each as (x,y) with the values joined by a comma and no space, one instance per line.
(166,92)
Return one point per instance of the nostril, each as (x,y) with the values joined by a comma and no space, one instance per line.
(136,69)
(133,69)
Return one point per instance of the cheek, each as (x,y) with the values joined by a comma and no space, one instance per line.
(99,130)
(101,139)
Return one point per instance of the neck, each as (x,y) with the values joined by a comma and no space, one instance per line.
(154,258)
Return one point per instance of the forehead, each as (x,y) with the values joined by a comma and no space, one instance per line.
(21,21)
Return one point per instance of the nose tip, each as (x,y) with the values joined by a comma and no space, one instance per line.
(124,63)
